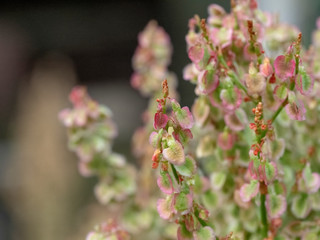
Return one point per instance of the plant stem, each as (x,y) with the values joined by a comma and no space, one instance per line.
(263,212)
(275,115)
(175,173)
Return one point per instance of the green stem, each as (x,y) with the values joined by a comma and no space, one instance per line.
(275,115)
(175,173)
(203,223)
(263,212)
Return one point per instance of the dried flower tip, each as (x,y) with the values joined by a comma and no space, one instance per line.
(165,88)
(203,26)
(298,42)
(250,27)
(263,126)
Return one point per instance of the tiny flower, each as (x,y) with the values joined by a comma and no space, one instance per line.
(284,68)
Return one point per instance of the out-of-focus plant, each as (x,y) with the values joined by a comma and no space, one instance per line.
(243,163)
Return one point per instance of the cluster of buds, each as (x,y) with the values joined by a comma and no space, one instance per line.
(258,124)
(151,60)
(91,131)
(178,170)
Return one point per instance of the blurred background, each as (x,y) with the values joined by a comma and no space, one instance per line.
(48,47)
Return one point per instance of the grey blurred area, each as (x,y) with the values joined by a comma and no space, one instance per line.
(48,47)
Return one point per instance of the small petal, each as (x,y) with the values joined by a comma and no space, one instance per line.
(200,110)
(78,95)
(208,81)
(188,168)
(280,92)
(271,171)
(237,120)
(104,192)
(304,82)
(221,36)
(266,68)
(196,53)
(301,206)
(183,233)
(296,110)
(160,120)
(165,183)
(205,233)
(231,99)
(164,208)
(182,203)
(66,117)
(174,153)
(312,180)
(255,83)
(249,190)
(276,205)
(154,139)
(217,180)
(225,140)
(284,68)
(184,117)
